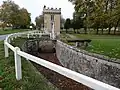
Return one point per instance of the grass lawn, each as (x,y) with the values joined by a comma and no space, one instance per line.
(2,32)
(108,45)
(32,79)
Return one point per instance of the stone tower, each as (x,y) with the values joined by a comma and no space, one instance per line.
(52,19)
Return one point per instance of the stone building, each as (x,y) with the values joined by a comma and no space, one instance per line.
(52,19)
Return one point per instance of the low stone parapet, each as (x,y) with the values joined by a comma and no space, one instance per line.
(93,65)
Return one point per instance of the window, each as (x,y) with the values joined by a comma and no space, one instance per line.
(52,17)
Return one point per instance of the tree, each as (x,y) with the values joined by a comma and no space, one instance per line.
(98,13)
(77,22)
(33,26)
(7,9)
(11,14)
(116,15)
(83,9)
(62,22)
(67,24)
(39,21)
(24,18)
(73,24)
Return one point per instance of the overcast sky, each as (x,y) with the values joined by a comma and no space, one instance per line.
(35,7)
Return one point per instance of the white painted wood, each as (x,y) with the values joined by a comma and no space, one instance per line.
(12,38)
(17,64)
(9,40)
(28,35)
(90,82)
(15,36)
(10,46)
(76,44)
(6,49)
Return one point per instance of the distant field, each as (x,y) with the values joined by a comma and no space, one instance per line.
(9,31)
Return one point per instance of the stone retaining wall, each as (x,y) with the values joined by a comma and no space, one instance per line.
(96,66)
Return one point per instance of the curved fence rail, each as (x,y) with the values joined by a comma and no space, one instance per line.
(85,80)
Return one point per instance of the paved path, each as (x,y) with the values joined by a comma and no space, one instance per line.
(2,37)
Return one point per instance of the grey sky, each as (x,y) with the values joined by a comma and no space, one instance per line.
(35,6)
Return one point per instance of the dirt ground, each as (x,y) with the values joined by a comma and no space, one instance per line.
(60,81)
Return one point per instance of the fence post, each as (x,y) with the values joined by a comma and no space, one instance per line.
(12,38)
(6,49)
(17,64)
(28,36)
(15,36)
(9,41)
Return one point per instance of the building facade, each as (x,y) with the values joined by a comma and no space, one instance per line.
(52,19)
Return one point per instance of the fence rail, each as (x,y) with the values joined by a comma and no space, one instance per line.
(90,82)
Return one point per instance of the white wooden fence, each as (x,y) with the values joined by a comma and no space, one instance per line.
(85,80)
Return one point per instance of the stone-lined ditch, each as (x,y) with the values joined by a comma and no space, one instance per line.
(93,65)
(47,52)
(97,66)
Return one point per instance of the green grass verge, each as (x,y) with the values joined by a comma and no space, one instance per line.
(9,31)
(31,80)
(88,36)
(108,45)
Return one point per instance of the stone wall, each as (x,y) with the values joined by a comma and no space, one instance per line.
(96,66)
(47,46)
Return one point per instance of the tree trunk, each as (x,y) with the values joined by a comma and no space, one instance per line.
(109,29)
(93,32)
(97,31)
(106,5)
(3,28)
(66,30)
(85,30)
(115,30)
(102,30)
(77,31)
(74,31)
(116,26)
